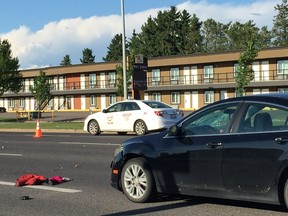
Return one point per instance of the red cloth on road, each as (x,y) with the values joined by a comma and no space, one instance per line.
(30,179)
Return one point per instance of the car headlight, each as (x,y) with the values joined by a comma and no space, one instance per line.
(118,150)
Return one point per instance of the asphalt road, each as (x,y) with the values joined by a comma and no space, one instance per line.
(87,159)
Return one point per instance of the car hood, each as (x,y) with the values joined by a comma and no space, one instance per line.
(149,139)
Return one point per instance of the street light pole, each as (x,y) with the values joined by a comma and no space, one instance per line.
(124,51)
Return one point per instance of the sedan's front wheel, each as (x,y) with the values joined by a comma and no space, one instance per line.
(140,128)
(137,181)
(286,193)
(93,127)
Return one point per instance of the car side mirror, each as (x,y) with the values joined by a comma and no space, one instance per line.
(173,130)
(104,111)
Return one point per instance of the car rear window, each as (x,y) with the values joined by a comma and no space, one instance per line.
(156,104)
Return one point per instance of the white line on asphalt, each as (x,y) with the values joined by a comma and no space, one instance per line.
(15,155)
(80,143)
(65,190)
(41,187)
(7,183)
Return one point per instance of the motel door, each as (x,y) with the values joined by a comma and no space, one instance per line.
(187,100)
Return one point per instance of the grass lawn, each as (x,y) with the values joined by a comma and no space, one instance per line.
(21,124)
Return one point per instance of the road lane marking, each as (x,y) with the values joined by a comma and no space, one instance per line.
(81,143)
(64,190)
(7,183)
(42,187)
(15,155)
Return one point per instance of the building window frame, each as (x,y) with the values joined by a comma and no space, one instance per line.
(209,97)
(282,67)
(282,90)
(92,101)
(112,99)
(11,103)
(175,97)
(21,102)
(156,96)
(92,80)
(112,79)
(155,75)
(174,73)
(208,71)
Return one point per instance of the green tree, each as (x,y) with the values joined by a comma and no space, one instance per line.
(245,73)
(195,37)
(214,36)
(119,72)
(88,56)
(134,45)
(239,34)
(66,61)
(280,27)
(114,49)
(265,37)
(41,91)
(10,77)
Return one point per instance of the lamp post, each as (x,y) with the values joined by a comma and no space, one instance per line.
(124,51)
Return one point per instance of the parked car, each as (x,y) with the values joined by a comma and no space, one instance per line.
(140,116)
(235,149)
(2,109)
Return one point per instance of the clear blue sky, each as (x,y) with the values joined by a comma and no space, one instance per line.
(42,32)
(36,13)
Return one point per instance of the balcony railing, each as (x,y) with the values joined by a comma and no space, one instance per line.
(165,81)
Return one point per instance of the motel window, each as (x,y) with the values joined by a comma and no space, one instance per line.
(21,102)
(174,73)
(175,97)
(208,72)
(92,101)
(11,103)
(92,80)
(112,99)
(209,96)
(282,67)
(112,79)
(155,76)
(50,81)
(235,69)
(282,90)
(156,96)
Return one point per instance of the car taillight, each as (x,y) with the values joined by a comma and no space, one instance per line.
(159,113)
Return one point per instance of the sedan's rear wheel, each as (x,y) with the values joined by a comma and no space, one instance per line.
(140,128)
(93,127)
(137,181)
(286,193)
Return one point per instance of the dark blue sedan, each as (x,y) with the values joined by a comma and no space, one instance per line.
(235,149)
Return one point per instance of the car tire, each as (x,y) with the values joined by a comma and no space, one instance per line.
(93,127)
(122,133)
(140,128)
(137,181)
(285,193)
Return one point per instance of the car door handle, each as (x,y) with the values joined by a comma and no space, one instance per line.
(214,145)
(281,140)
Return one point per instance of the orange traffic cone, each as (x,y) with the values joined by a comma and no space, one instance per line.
(38,132)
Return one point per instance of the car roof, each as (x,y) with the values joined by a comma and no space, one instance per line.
(280,98)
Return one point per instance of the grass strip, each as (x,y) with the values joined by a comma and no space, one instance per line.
(43,125)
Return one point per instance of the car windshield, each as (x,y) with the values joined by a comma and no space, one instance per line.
(156,104)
